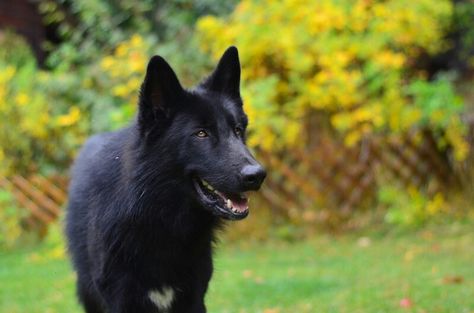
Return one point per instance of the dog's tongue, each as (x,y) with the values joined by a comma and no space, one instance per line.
(238,202)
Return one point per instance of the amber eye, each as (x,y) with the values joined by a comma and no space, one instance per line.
(201,134)
(238,131)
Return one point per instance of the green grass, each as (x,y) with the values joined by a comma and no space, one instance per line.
(433,268)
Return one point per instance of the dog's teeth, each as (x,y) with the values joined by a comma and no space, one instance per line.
(234,210)
(228,203)
(207,185)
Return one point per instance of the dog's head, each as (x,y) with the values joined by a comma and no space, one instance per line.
(203,131)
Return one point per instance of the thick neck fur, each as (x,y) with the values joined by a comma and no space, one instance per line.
(149,181)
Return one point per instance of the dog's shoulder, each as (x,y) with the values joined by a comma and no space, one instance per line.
(100,159)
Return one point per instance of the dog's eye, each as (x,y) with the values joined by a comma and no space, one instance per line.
(201,134)
(238,131)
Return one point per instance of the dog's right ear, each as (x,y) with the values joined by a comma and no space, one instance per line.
(160,94)
(226,76)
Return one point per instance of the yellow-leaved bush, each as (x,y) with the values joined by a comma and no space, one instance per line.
(40,127)
(123,71)
(351,60)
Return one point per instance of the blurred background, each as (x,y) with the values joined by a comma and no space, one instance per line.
(361,110)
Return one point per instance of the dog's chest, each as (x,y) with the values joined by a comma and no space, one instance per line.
(162,298)
(176,286)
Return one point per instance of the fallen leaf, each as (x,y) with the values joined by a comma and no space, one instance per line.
(247,273)
(364,242)
(455,279)
(435,247)
(406,303)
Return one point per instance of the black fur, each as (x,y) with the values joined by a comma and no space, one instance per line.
(135,220)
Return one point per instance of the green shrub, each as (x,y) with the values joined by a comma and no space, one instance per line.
(463,32)
(409,206)
(10,217)
(42,122)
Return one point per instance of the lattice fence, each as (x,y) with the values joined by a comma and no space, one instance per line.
(331,175)
(43,197)
(327,175)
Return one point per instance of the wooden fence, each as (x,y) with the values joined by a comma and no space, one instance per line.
(43,197)
(333,176)
(327,175)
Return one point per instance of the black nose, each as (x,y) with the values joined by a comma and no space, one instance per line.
(253,176)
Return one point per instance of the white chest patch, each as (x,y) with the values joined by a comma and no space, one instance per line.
(162,298)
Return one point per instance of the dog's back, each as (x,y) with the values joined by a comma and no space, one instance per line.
(93,180)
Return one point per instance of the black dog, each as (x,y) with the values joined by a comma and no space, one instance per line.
(145,201)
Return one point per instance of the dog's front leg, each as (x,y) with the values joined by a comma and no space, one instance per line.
(188,303)
(124,295)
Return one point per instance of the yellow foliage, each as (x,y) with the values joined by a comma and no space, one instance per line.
(22,99)
(29,112)
(124,70)
(411,206)
(29,119)
(347,58)
(455,137)
(34,109)
(70,118)
(11,216)
(436,205)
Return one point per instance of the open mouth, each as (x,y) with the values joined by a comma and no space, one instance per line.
(232,206)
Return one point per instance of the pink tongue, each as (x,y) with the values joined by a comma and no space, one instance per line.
(239,203)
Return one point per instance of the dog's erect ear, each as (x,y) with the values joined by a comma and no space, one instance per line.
(160,93)
(226,77)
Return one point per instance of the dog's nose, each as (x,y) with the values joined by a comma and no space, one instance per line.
(253,176)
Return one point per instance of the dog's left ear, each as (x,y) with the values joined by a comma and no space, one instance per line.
(226,77)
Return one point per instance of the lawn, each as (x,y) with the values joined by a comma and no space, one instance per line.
(430,271)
